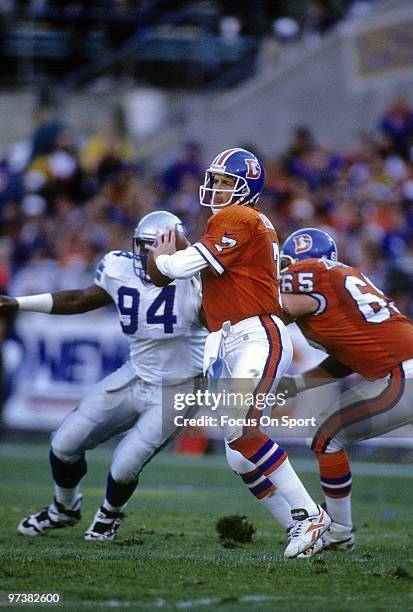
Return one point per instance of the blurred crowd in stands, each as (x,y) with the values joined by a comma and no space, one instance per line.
(67,200)
(286,19)
(167,43)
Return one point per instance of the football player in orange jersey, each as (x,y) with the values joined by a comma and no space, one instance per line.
(339,309)
(239,264)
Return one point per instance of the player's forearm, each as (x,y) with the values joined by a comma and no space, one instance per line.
(70,302)
(182,264)
(61,302)
(74,301)
(326,372)
(316,377)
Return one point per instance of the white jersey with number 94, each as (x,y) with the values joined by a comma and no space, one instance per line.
(161,323)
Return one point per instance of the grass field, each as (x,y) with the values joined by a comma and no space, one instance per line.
(168,556)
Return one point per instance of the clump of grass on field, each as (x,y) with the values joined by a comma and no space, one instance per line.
(234,529)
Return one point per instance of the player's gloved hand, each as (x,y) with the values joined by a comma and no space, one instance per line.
(7,304)
(290,386)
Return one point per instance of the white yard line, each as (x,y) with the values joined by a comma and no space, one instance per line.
(188,604)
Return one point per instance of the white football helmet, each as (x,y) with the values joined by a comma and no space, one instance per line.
(145,233)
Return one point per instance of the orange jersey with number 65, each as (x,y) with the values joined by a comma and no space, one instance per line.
(355,321)
(240,246)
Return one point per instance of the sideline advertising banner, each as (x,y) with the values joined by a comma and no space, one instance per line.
(52,361)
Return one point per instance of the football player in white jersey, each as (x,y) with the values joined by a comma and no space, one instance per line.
(162,326)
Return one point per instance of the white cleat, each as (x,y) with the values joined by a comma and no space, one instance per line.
(306,531)
(339,537)
(52,517)
(104,525)
(313,550)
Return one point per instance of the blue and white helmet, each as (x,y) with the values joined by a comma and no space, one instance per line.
(307,243)
(145,233)
(247,171)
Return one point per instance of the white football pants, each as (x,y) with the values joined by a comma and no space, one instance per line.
(120,402)
(249,357)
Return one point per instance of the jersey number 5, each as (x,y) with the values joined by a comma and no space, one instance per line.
(128,304)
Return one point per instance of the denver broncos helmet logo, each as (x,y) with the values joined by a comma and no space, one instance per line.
(254,168)
(302,243)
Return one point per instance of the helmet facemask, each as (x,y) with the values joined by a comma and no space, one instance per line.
(140,258)
(238,193)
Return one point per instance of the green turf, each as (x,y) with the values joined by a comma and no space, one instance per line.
(168,556)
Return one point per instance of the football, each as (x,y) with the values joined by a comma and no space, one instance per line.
(159,279)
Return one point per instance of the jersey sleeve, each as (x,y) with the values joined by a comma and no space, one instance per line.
(182,264)
(100,273)
(306,278)
(114,265)
(222,244)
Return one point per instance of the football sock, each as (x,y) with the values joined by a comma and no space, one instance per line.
(117,494)
(67,497)
(272,461)
(292,489)
(107,506)
(278,507)
(258,484)
(65,474)
(335,476)
(249,445)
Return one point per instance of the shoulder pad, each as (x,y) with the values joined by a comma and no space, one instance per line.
(311,265)
(117,264)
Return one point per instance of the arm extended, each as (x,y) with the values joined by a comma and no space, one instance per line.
(325,373)
(74,301)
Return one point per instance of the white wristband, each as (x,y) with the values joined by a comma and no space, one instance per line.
(43,302)
(299,383)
